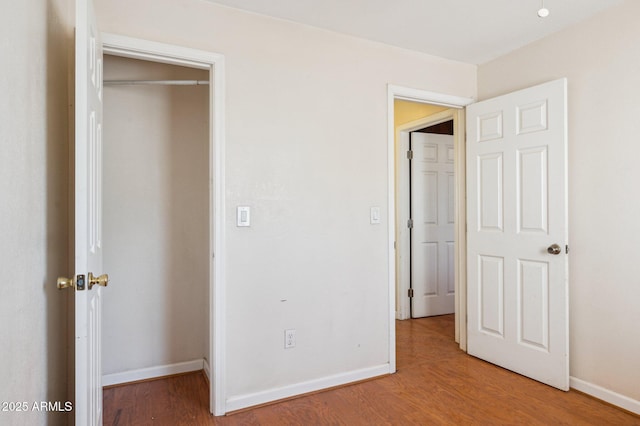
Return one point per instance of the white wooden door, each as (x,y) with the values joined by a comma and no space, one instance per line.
(88,216)
(432,234)
(517,210)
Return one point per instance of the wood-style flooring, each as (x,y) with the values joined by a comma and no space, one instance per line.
(436,384)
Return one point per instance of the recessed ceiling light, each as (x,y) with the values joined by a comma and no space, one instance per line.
(543,12)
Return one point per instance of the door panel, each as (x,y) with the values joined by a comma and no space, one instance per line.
(88,216)
(533,306)
(532,190)
(490,191)
(491,289)
(517,208)
(432,235)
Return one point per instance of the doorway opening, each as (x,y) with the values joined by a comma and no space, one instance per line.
(437,109)
(429,163)
(155,215)
(209,199)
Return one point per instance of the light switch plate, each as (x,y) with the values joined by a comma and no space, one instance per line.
(375,215)
(243,216)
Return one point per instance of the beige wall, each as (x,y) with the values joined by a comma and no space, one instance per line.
(310,261)
(156,224)
(600,59)
(34,176)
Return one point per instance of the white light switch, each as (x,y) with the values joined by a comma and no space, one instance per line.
(244,216)
(375,215)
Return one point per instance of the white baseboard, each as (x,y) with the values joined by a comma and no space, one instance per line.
(606,395)
(152,372)
(249,400)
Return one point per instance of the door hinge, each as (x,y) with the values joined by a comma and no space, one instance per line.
(410,155)
(410,292)
(410,224)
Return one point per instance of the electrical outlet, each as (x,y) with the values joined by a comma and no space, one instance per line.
(290,339)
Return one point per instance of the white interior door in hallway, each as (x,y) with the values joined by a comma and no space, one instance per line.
(517,277)
(432,224)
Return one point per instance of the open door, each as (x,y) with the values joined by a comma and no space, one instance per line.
(517,280)
(88,218)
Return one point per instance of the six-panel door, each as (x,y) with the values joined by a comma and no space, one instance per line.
(516,209)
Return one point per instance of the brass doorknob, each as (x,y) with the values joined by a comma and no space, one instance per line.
(554,249)
(102,280)
(64,282)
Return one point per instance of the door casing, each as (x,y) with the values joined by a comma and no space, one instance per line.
(398,175)
(213,62)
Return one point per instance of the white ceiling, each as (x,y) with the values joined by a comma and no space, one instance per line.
(471,31)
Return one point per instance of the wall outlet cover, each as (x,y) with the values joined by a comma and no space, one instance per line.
(289,339)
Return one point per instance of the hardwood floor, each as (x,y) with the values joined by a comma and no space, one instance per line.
(436,384)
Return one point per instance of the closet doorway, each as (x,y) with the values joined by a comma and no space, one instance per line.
(156,209)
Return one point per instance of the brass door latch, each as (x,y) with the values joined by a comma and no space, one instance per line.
(79,282)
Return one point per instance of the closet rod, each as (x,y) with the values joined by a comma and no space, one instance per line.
(156,82)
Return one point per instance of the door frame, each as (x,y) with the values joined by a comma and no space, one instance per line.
(213,62)
(399,252)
